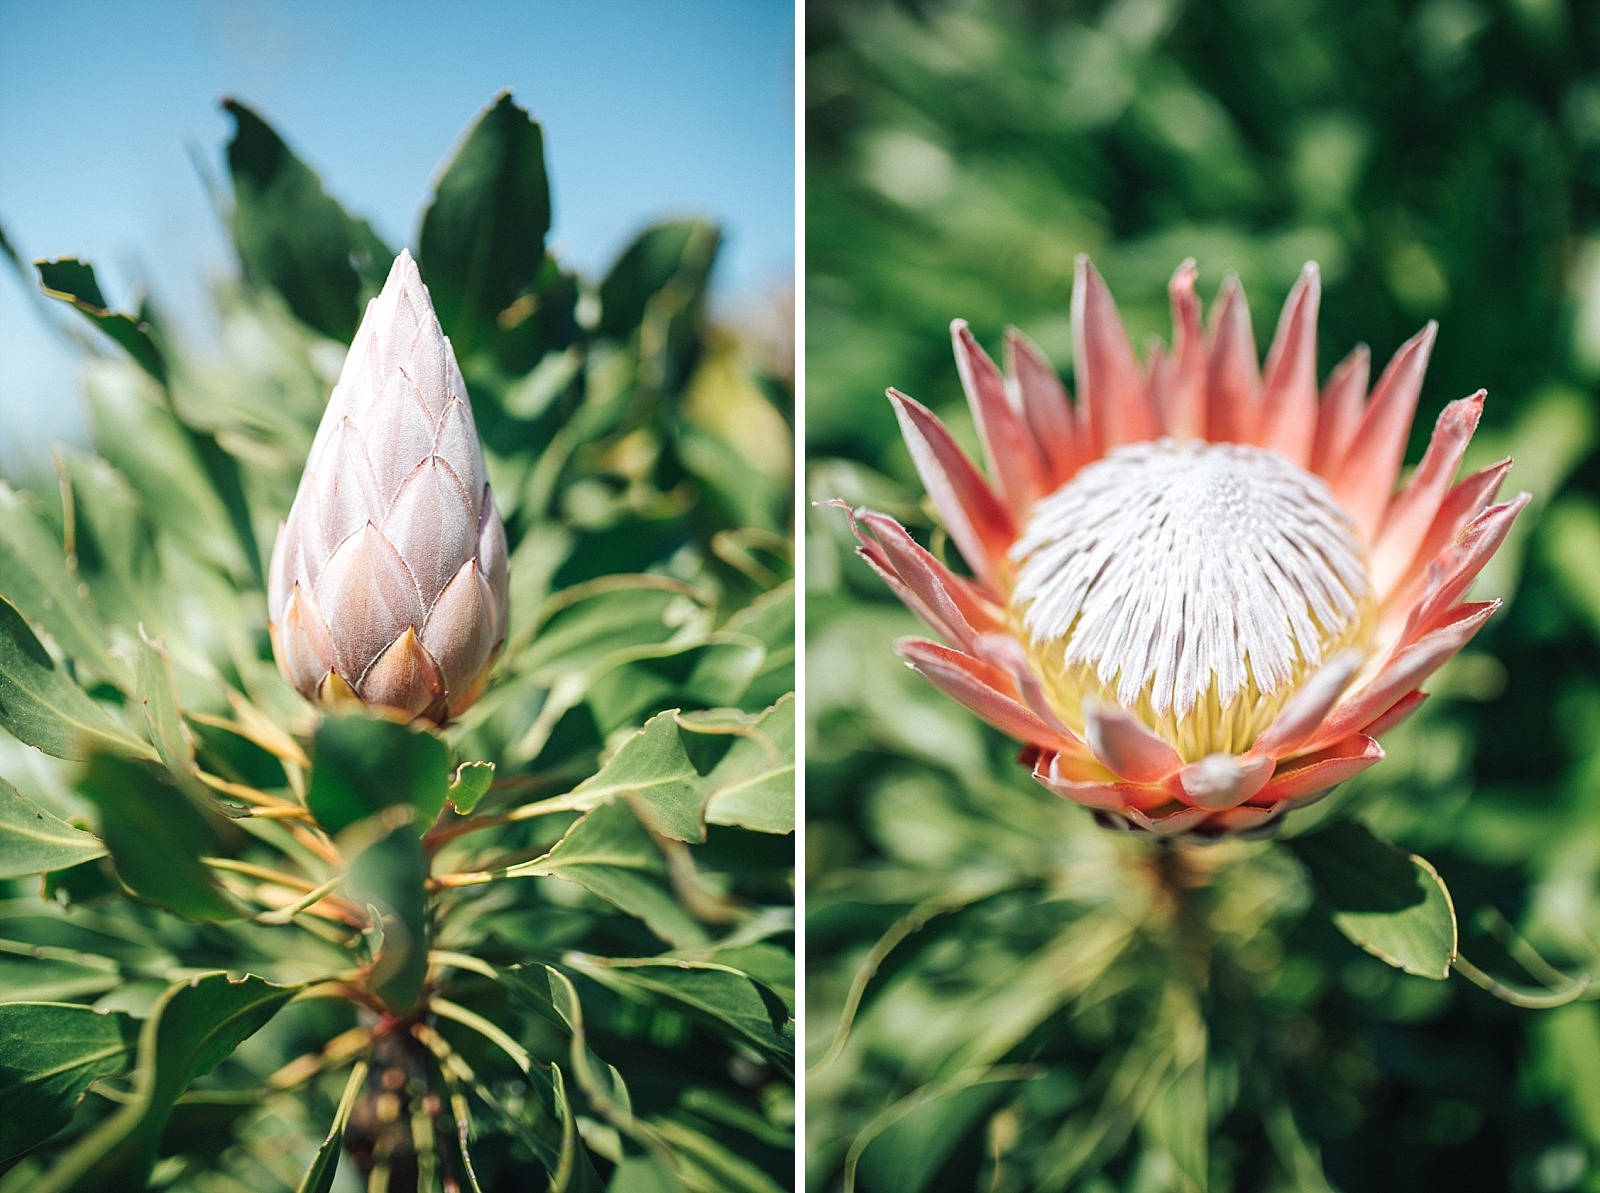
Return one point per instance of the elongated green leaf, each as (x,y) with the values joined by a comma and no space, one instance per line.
(753,785)
(482,240)
(52,975)
(41,705)
(292,236)
(194,1026)
(716,994)
(33,841)
(587,626)
(770,621)
(652,770)
(702,675)
(362,764)
(157,837)
(319,1177)
(1391,903)
(50,1053)
(113,542)
(389,874)
(610,854)
(35,577)
(676,253)
(73,282)
(158,693)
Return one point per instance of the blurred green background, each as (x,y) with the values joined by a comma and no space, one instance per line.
(998,993)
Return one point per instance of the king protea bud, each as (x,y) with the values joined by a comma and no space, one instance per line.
(388,580)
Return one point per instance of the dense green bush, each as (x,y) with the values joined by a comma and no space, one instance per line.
(554,941)
(1003,996)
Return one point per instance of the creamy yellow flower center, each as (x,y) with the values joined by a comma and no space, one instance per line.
(1195,585)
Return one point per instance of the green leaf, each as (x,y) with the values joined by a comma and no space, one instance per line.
(753,785)
(292,236)
(610,854)
(73,282)
(652,770)
(1391,903)
(113,543)
(470,785)
(716,994)
(770,621)
(362,764)
(51,975)
(36,578)
(50,1053)
(586,627)
(41,705)
(675,253)
(482,241)
(390,875)
(192,1029)
(32,841)
(157,837)
(702,675)
(158,693)
(319,1177)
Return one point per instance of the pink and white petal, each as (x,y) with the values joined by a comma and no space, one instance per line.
(1404,670)
(1344,400)
(1111,387)
(460,630)
(1045,406)
(980,686)
(1289,423)
(368,597)
(305,646)
(345,487)
(1173,824)
(1233,382)
(1458,566)
(431,524)
(455,439)
(1399,712)
(1221,781)
(1416,505)
(1127,748)
(983,529)
(1304,712)
(935,587)
(1183,403)
(285,547)
(1364,480)
(398,434)
(1009,449)
(403,677)
(492,560)
(1006,652)
(1316,774)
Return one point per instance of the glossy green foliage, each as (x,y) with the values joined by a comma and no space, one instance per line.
(1003,996)
(611,823)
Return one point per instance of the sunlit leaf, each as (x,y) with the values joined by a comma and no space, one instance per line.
(292,236)
(32,841)
(52,1053)
(193,1028)
(1391,903)
(470,784)
(388,874)
(73,281)
(482,239)
(652,770)
(41,705)
(753,785)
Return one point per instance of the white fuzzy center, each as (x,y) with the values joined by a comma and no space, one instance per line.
(1194,584)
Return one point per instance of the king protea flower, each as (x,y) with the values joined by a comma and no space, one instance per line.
(388,580)
(1196,595)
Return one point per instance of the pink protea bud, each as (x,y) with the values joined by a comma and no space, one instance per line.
(388,580)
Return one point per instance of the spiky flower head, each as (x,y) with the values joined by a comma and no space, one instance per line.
(388,580)
(1197,596)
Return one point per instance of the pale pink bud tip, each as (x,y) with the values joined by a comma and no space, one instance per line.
(388,579)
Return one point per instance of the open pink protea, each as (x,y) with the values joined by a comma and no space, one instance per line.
(1196,596)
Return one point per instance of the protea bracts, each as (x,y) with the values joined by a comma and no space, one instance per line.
(1196,595)
(388,580)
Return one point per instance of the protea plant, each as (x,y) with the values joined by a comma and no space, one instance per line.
(1196,594)
(388,579)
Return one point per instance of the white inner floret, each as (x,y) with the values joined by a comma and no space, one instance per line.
(1195,585)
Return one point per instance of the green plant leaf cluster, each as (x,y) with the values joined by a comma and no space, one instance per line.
(246,943)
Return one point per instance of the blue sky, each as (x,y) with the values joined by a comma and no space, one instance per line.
(650,108)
